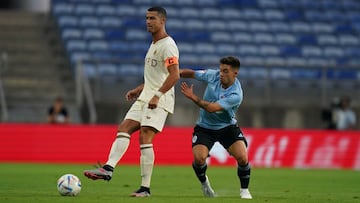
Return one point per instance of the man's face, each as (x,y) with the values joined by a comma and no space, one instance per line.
(154,21)
(227,75)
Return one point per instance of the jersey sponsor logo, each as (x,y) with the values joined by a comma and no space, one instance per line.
(194,138)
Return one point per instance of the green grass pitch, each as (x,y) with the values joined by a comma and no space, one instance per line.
(177,184)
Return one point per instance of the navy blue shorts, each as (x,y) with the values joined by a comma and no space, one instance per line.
(225,136)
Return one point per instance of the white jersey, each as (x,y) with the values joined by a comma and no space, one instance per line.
(159,56)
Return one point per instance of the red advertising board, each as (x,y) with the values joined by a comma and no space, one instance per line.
(91,143)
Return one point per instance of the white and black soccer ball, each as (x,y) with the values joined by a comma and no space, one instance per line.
(69,185)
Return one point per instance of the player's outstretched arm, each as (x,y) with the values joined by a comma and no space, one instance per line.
(207,106)
(187,73)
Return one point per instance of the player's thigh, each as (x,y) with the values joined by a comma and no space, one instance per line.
(202,142)
(153,119)
(239,152)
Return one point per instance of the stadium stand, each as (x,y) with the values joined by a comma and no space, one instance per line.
(292,52)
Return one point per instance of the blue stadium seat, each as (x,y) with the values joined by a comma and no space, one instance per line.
(349,40)
(67,21)
(264,38)
(221,37)
(62,8)
(312,74)
(105,9)
(187,47)
(194,24)
(242,37)
(285,38)
(107,69)
(248,50)
(76,45)
(93,33)
(204,47)
(130,70)
(231,13)
(188,12)
(273,14)
(311,51)
(174,24)
(210,13)
(315,16)
(84,9)
(216,25)
(307,39)
(257,26)
(332,52)
(300,26)
(116,46)
(126,10)
(199,36)
(252,14)
(236,25)
(280,73)
(279,26)
(252,60)
(296,62)
(102,55)
(71,33)
(275,61)
(98,45)
(89,21)
(114,34)
(76,56)
(90,70)
(327,40)
(226,49)
(140,46)
(290,50)
(322,27)
(269,50)
(268,4)
(111,21)
(137,34)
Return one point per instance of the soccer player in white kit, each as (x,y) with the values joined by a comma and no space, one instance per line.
(155,99)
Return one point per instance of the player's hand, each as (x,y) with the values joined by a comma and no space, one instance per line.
(153,103)
(131,95)
(187,90)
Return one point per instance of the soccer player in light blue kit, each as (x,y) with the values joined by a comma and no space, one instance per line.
(217,122)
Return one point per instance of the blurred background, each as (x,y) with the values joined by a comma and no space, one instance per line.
(297,57)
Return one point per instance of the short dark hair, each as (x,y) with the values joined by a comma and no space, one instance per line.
(232,61)
(159,9)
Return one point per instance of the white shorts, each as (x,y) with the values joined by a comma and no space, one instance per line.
(140,112)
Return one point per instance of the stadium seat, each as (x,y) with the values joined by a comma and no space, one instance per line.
(126,10)
(221,37)
(77,56)
(76,45)
(105,9)
(348,40)
(204,47)
(93,33)
(111,21)
(216,25)
(279,26)
(319,27)
(332,52)
(248,49)
(311,51)
(252,60)
(62,8)
(84,9)
(188,12)
(117,45)
(285,38)
(300,27)
(107,69)
(253,14)
(257,26)
(269,50)
(231,13)
(98,45)
(274,61)
(264,38)
(273,14)
(71,33)
(174,24)
(268,4)
(280,73)
(186,47)
(194,24)
(307,39)
(137,34)
(226,49)
(67,21)
(114,34)
(296,62)
(242,37)
(236,25)
(210,13)
(89,21)
(327,40)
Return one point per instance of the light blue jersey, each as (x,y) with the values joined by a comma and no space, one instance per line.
(229,99)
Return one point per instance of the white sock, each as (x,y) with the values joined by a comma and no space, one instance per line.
(146,163)
(118,148)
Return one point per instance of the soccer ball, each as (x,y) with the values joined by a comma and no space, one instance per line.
(69,185)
